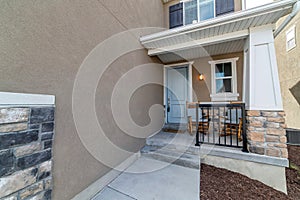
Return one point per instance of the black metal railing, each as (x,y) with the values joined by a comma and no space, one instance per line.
(221,124)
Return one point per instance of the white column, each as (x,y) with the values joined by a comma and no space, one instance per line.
(261,81)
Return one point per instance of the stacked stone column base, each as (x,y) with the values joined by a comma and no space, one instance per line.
(266,133)
(26,136)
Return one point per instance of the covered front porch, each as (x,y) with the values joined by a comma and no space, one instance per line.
(225,66)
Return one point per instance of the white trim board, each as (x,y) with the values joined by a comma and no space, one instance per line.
(9,99)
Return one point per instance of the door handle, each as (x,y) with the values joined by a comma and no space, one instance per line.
(168,107)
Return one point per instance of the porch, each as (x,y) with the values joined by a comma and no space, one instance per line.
(222,60)
(222,124)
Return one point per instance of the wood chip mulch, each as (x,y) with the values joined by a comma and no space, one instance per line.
(222,184)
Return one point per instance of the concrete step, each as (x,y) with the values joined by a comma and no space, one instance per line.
(173,156)
(175,128)
(174,142)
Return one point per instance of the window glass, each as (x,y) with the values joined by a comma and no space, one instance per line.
(223,85)
(190,12)
(290,39)
(206,9)
(223,70)
(224,6)
(176,15)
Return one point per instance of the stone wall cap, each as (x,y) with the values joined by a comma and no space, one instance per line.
(19,99)
(237,154)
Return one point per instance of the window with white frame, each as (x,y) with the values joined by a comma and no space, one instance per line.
(224,80)
(193,11)
(290,38)
(198,10)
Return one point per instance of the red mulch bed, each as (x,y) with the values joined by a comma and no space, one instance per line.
(219,183)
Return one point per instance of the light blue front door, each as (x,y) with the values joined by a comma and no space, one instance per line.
(177,93)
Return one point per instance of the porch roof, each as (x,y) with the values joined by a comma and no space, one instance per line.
(220,35)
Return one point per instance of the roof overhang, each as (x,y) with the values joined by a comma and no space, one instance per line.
(227,29)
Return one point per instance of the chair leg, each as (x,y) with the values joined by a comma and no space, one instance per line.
(190,125)
(240,130)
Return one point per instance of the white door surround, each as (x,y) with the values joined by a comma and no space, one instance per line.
(188,93)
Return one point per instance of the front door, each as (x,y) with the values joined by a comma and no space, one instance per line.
(176,93)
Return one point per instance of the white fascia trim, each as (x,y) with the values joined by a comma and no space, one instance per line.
(11,99)
(179,64)
(232,17)
(202,42)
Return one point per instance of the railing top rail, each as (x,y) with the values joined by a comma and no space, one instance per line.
(230,105)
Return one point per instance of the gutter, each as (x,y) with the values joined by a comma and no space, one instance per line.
(296,9)
(215,21)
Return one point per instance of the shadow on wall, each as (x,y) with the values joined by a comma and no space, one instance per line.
(295,90)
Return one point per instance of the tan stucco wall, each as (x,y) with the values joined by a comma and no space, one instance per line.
(289,72)
(42,45)
(201,65)
(237,7)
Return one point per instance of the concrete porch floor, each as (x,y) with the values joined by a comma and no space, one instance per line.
(167,182)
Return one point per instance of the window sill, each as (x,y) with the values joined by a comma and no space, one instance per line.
(224,97)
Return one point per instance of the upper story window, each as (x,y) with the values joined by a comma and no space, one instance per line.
(290,38)
(193,11)
(224,80)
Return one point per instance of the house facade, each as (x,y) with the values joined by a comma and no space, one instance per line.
(43,45)
(237,40)
(229,44)
(228,48)
(288,66)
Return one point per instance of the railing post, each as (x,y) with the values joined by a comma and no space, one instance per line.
(244,129)
(197,125)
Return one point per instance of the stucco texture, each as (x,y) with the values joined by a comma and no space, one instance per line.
(289,72)
(202,89)
(42,45)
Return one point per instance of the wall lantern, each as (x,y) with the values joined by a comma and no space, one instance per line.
(201,77)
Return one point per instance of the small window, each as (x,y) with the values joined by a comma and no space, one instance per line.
(224,80)
(224,7)
(290,39)
(190,12)
(193,11)
(176,15)
(223,76)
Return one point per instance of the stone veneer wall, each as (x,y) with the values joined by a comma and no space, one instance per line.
(26,136)
(266,133)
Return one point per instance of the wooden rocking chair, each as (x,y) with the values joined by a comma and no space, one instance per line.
(203,121)
(233,123)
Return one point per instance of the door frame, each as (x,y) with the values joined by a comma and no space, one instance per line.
(190,83)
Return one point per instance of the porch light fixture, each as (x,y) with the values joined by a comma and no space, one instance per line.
(201,77)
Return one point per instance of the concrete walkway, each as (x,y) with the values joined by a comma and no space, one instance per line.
(149,179)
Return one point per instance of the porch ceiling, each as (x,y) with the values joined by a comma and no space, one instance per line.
(215,36)
(198,52)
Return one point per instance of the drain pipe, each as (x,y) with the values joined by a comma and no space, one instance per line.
(296,8)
